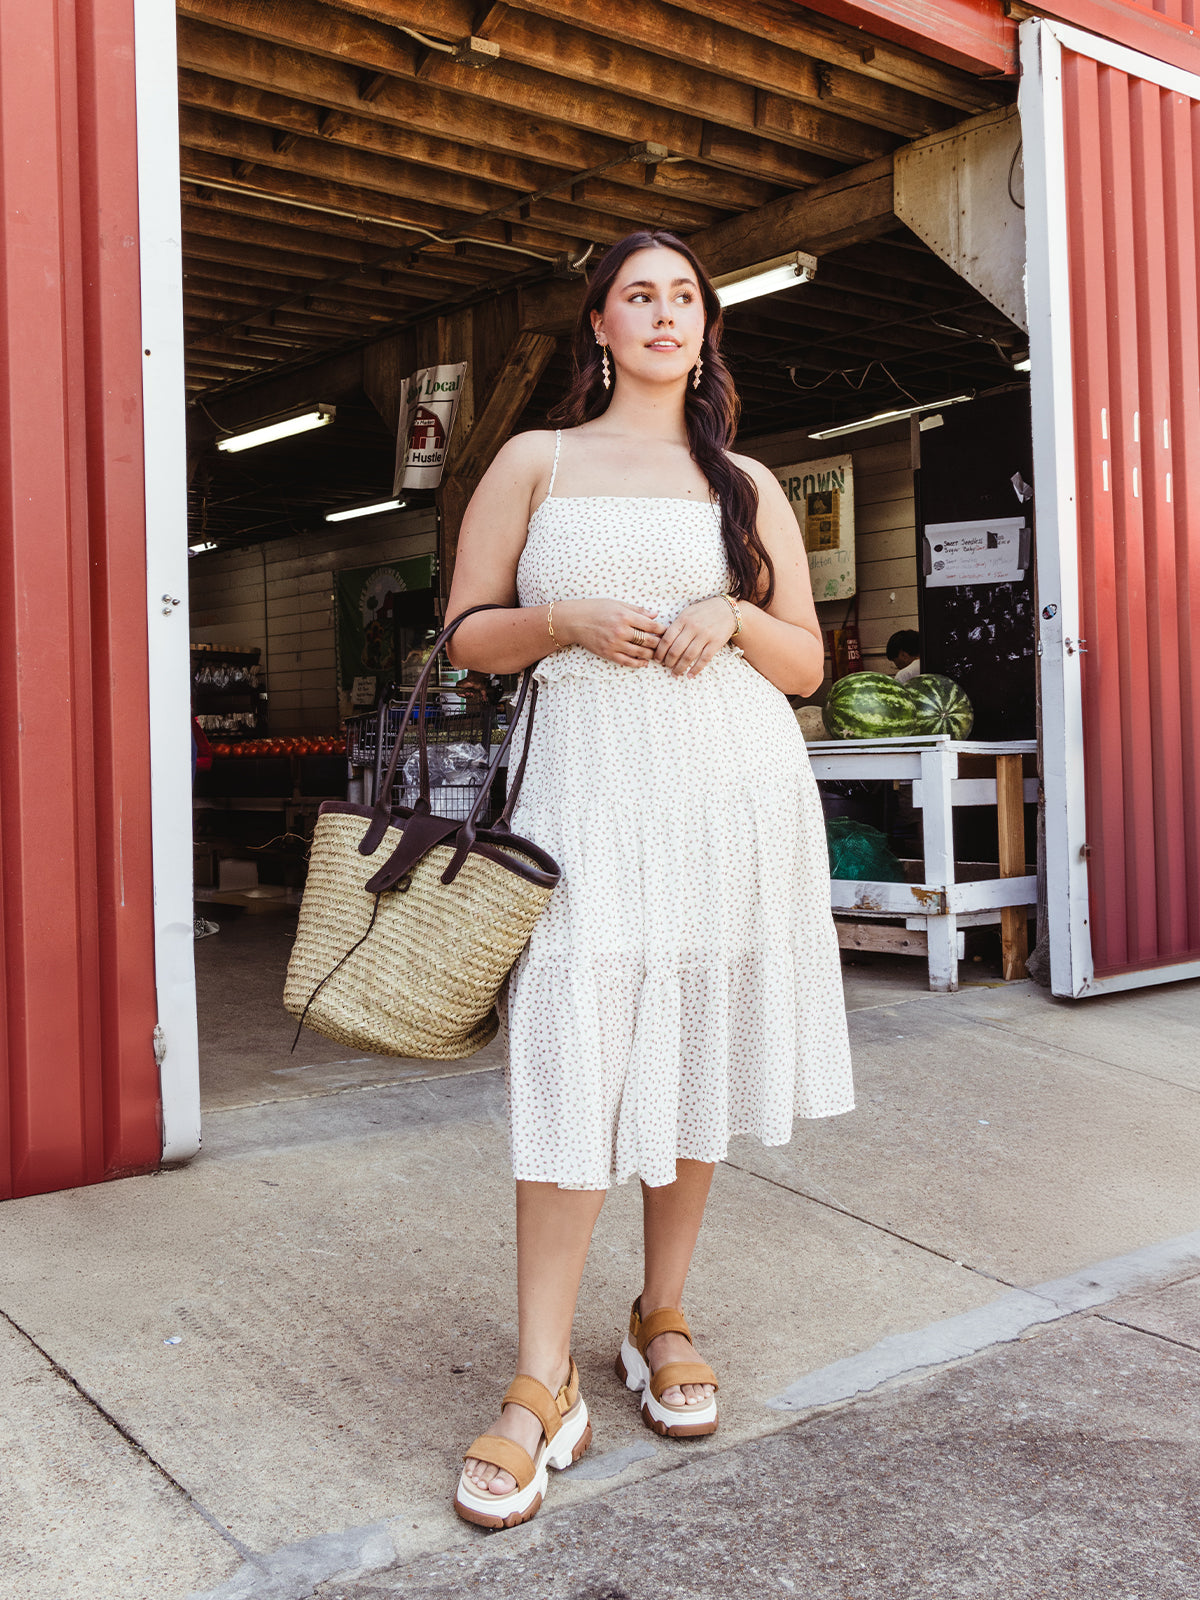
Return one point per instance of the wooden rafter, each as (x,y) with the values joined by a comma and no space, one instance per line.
(439,127)
(702,44)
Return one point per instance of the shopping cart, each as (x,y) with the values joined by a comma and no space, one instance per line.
(459,742)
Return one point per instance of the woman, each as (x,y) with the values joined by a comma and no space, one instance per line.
(683,984)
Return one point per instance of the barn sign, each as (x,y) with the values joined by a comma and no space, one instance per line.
(427,411)
(821,495)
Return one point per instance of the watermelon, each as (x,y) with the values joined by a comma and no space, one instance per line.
(869,705)
(941,705)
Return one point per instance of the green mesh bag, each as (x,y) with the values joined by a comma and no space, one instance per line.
(860,852)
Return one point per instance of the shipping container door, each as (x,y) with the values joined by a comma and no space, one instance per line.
(1112,181)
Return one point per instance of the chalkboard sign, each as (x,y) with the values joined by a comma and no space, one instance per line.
(977,465)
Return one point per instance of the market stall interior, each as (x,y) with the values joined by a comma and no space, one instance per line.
(372,189)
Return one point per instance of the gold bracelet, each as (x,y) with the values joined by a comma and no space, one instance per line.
(550,625)
(733,606)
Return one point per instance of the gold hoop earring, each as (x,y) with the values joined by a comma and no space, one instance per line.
(699,370)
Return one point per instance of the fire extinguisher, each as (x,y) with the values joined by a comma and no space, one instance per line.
(845,652)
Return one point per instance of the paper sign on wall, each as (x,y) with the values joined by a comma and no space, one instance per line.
(821,494)
(427,411)
(995,550)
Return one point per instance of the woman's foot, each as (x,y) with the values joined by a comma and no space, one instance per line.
(523,1428)
(659,1362)
(506,1474)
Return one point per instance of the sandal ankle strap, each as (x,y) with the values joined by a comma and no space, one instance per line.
(534,1396)
(668,1319)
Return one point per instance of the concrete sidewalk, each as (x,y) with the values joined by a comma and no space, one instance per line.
(251,1379)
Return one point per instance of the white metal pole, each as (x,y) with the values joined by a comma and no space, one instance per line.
(160,246)
(1047,287)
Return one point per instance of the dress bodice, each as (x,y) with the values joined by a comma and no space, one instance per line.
(647,551)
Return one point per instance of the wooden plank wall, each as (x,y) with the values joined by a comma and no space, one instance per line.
(885,528)
(279,596)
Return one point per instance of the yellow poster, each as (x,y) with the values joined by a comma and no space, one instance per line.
(821,494)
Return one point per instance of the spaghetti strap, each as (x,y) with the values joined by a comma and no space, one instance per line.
(554,468)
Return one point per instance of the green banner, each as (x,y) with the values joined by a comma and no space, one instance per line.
(365,630)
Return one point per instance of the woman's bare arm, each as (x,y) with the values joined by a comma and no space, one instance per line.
(485,569)
(783,641)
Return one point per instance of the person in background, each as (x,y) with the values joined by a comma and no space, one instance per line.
(904,652)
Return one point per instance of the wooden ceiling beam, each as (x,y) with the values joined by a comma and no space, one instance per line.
(291,227)
(747,57)
(375,186)
(273,227)
(300,124)
(232,252)
(214,277)
(571,62)
(439,127)
(560,115)
(845,210)
(411,217)
(789,28)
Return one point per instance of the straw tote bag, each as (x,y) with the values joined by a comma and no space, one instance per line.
(410,922)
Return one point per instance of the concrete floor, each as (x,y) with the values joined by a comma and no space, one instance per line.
(254,1376)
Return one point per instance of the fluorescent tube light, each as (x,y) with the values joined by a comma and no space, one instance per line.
(888,416)
(364,511)
(199,549)
(767,277)
(315,417)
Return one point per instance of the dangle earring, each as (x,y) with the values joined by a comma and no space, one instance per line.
(699,370)
(605,375)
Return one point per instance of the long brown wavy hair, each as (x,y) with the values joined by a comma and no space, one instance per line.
(710,412)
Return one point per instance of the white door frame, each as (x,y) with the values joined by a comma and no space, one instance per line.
(164,418)
(1072,972)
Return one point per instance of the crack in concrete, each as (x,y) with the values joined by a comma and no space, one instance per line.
(869,1222)
(348,1088)
(1151,1333)
(1081,1055)
(201,1510)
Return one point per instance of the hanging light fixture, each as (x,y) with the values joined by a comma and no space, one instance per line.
(313,416)
(765,277)
(365,511)
(888,416)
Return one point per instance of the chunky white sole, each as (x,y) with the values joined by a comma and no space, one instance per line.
(673,1422)
(509,1510)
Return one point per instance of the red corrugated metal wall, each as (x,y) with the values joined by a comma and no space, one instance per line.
(78,1080)
(1133,187)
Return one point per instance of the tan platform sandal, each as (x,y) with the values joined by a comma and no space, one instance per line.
(566,1434)
(673,1421)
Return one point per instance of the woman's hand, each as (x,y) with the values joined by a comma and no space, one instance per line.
(609,629)
(694,638)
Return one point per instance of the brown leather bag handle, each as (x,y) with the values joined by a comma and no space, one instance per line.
(381,811)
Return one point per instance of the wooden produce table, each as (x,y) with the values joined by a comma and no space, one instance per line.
(937,908)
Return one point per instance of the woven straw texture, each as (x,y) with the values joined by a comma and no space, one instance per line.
(425,981)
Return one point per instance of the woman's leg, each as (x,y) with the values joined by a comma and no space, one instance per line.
(671,1218)
(554,1229)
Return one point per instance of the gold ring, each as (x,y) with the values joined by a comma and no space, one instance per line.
(639,637)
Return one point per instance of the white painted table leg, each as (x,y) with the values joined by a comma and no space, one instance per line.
(939,766)
(943,953)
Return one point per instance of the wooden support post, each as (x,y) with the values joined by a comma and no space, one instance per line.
(1010,821)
